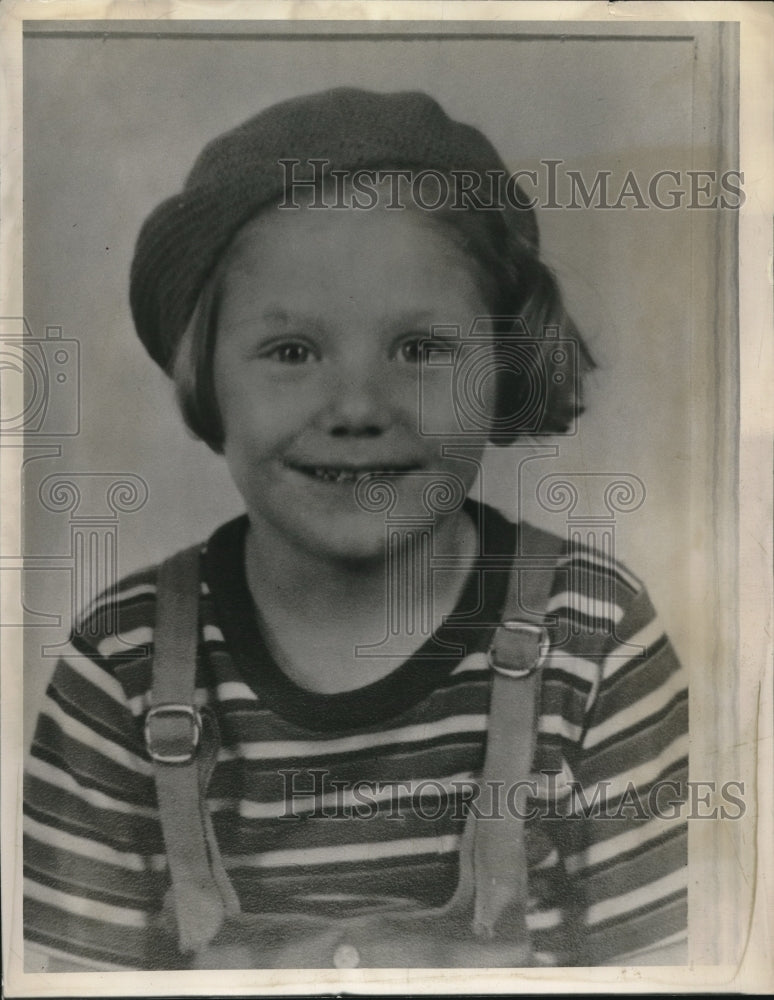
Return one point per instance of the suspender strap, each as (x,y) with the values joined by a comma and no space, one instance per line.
(183,744)
(518,649)
(183,741)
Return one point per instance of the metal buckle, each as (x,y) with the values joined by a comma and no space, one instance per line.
(172,711)
(544,646)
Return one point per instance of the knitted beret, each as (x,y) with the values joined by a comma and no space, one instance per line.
(239,172)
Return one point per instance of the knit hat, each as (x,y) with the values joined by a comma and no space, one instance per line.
(240,172)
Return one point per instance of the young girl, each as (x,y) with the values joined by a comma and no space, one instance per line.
(321,738)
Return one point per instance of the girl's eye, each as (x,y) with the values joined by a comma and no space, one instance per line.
(292,353)
(410,351)
(416,349)
(424,350)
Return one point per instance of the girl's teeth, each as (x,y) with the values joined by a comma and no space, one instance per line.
(335,475)
(330,475)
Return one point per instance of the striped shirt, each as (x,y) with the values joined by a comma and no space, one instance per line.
(341,804)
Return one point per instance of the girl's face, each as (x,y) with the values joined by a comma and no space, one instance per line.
(317,370)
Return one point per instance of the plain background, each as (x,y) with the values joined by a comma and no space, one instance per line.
(112,125)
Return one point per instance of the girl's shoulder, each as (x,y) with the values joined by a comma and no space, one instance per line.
(125,612)
(581,568)
(120,620)
(116,629)
(598,610)
(607,584)
(112,640)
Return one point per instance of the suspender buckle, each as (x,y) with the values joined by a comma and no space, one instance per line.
(518,648)
(173,733)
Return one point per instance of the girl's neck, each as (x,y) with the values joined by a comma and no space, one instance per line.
(313,585)
(317,612)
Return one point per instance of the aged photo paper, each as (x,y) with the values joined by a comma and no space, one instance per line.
(637,139)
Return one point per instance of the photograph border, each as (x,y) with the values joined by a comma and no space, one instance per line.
(731,897)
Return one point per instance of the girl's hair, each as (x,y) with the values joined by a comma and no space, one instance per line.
(541,355)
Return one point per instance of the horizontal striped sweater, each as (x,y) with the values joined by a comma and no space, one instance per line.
(341,804)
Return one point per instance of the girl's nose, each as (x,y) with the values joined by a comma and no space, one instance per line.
(357,406)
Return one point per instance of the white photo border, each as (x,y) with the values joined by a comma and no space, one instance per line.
(732,901)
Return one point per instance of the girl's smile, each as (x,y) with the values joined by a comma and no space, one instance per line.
(317,366)
(347,473)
